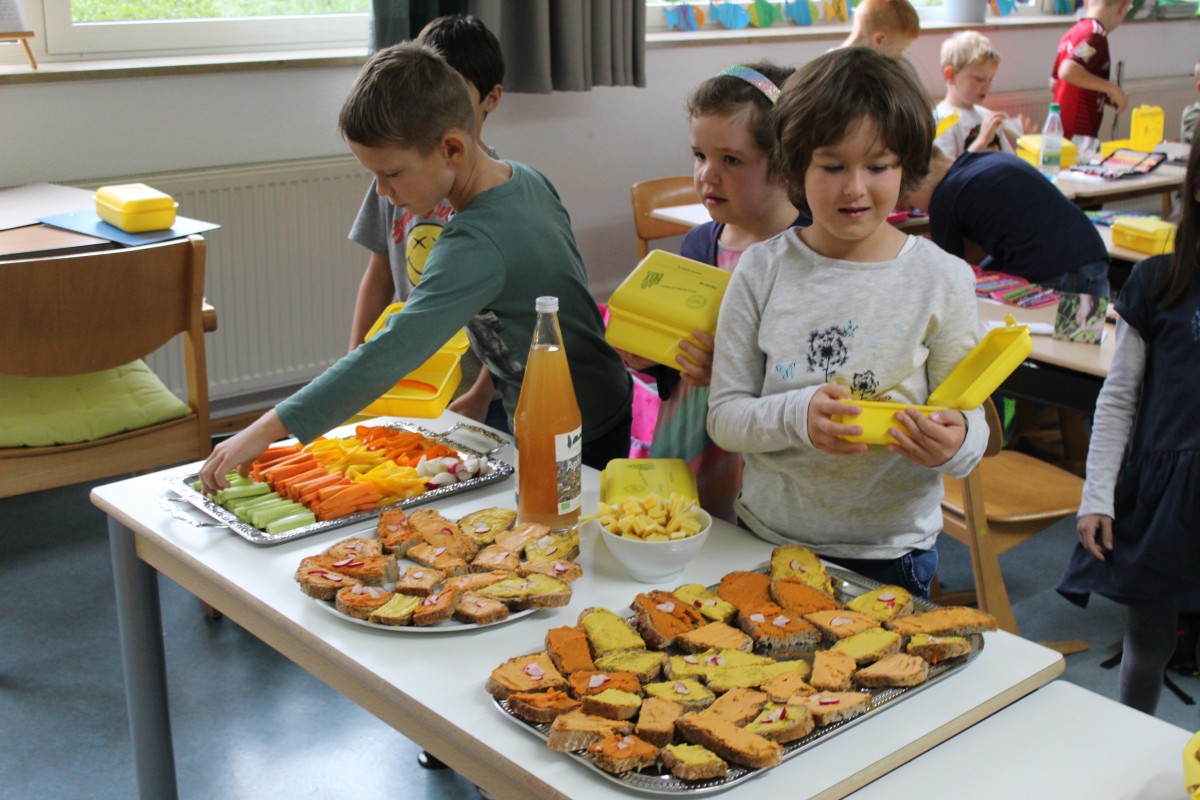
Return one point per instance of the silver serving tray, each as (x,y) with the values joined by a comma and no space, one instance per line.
(847,585)
(499,470)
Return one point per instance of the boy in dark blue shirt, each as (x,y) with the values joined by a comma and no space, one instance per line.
(1022,221)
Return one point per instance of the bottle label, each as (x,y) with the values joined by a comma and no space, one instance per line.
(568,457)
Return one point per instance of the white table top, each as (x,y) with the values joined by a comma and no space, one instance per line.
(430,686)
(1062,741)
(1088,359)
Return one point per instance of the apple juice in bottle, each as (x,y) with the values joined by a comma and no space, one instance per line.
(548,429)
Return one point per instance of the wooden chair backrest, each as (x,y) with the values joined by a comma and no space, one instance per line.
(659,193)
(68,315)
(995,429)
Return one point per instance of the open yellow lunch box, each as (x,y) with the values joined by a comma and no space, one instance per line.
(661,302)
(427,390)
(135,207)
(638,477)
(967,386)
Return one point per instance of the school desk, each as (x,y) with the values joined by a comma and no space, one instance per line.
(430,687)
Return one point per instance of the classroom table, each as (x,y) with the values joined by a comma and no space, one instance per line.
(1061,741)
(1059,373)
(403,678)
(1165,179)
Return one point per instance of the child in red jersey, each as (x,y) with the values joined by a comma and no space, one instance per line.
(1081,69)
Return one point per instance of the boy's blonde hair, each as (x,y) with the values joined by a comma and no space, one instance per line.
(406,96)
(966,48)
(828,96)
(886,16)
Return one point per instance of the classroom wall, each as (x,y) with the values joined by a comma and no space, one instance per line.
(592,145)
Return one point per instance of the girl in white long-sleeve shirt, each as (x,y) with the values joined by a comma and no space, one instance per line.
(848,308)
(1139,520)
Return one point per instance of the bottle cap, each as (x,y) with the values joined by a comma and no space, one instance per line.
(1055,107)
(546,305)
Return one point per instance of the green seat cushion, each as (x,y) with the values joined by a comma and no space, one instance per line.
(40,412)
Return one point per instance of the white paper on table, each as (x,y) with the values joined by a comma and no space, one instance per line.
(1035,328)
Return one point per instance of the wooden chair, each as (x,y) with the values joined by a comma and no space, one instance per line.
(70,315)
(1008,498)
(659,193)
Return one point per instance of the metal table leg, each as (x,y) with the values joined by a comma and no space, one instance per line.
(140,623)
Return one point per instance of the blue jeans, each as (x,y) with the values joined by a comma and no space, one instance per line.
(1089,279)
(914,570)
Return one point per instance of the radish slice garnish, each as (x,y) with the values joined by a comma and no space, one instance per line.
(358,589)
(777,715)
(597,680)
(534,671)
(416,576)
(561,567)
(438,551)
(780,621)
(828,701)
(481,528)
(681,687)
(885,596)
(691,660)
(838,622)
(757,617)
(431,600)
(666,607)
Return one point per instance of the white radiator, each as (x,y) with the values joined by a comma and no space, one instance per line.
(281,272)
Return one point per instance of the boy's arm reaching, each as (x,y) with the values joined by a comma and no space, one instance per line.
(375,293)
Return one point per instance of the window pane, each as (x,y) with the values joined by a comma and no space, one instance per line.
(132,10)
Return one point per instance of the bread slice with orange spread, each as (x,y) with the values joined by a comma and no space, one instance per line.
(729,741)
(517,538)
(359,601)
(395,533)
(495,557)
(738,705)
(898,669)
(568,647)
(745,590)
(784,687)
(474,608)
(619,754)
(355,546)
(840,623)
(661,617)
(656,720)
(438,531)
(371,570)
(529,673)
(714,636)
(833,671)
(437,607)
(949,621)
(438,557)
(576,730)
(775,630)
(320,582)
(566,571)
(830,707)
(798,597)
(539,707)
(419,581)
(593,682)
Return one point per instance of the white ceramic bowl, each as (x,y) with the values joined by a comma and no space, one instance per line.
(656,562)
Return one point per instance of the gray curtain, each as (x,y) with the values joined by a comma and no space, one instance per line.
(549,45)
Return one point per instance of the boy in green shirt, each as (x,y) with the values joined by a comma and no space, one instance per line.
(409,120)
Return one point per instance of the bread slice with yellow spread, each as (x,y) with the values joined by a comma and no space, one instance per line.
(797,561)
(608,633)
(782,723)
(484,524)
(870,645)
(722,679)
(689,693)
(729,741)
(612,704)
(693,762)
(949,621)
(529,673)
(706,601)
(840,623)
(531,591)
(698,665)
(883,603)
(898,669)
(554,547)
(645,664)
(566,571)
(396,611)
(936,649)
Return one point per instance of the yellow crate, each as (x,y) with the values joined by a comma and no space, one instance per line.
(1029,145)
(135,207)
(967,386)
(1149,235)
(637,477)
(1146,128)
(424,392)
(661,302)
(459,343)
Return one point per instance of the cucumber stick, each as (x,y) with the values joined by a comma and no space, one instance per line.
(269,513)
(297,520)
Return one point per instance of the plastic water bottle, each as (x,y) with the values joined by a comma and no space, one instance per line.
(548,428)
(1050,153)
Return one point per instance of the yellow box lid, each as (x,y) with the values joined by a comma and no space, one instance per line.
(661,302)
(459,343)
(1145,226)
(637,477)
(134,198)
(1029,145)
(983,369)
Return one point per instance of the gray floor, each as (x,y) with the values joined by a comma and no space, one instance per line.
(247,722)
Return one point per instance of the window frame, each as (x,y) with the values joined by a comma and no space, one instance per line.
(173,37)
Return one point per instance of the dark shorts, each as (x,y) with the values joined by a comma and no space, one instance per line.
(613,444)
(1090,279)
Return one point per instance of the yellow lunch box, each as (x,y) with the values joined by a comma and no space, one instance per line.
(967,386)
(1029,145)
(1149,235)
(426,391)
(135,207)
(638,477)
(661,302)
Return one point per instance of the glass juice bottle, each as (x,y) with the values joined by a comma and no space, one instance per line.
(549,430)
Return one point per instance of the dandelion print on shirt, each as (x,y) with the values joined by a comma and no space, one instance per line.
(828,348)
